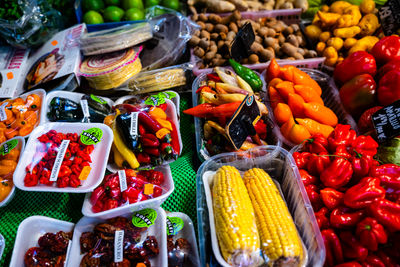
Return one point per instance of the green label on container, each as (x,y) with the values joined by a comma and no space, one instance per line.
(91,136)
(144,218)
(174,225)
(8,146)
(158,99)
(98,99)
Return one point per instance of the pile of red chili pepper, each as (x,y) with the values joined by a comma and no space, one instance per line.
(142,185)
(76,157)
(356,201)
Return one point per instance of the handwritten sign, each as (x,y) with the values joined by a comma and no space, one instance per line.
(387,121)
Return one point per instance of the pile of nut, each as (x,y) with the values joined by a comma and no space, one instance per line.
(273,38)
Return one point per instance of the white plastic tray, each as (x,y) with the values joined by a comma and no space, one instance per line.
(188,233)
(76,97)
(21,145)
(167,185)
(29,232)
(158,230)
(99,157)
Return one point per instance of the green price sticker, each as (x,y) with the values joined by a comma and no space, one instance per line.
(98,99)
(158,99)
(174,225)
(91,136)
(8,146)
(144,218)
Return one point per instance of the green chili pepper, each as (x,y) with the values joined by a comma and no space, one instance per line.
(247,74)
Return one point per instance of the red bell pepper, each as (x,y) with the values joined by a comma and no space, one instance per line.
(365,122)
(343,152)
(387,213)
(342,135)
(389,174)
(331,198)
(371,233)
(349,264)
(316,144)
(389,88)
(318,163)
(393,195)
(307,178)
(337,174)
(364,193)
(343,217)
(387,260)
(391,65)
(358,94)
(301,159)
(313,195)
(373,261)
(97,194)
(386,49)
(357,63)
(322,219)
(334,252)
(352,249)
(361,165)
(365,145)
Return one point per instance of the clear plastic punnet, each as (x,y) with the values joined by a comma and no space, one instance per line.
(133,239)
(2,245)
(119,38)
(249,176)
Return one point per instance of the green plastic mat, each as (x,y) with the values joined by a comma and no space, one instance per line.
(67,207)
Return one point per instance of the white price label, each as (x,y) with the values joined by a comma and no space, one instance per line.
(3,115)
(59,159)
(134,123)
(122,180)
(119,246)
(85,108)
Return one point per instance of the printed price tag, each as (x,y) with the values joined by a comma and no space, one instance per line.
(119,246)
(387,121)
(85,108)
(134,123)
(59,159)
(85,173)
(389,16)
(3,115)
(122,180)
(148,189)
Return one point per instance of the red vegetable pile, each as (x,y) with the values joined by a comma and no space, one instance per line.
(356,201)
(76,157)
(142,185)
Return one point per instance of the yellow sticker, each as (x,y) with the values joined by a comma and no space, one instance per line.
(85,173)
(148,189)
(162,132)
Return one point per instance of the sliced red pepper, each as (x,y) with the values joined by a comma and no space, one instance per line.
(342,135)
(316,144)
(337,174)
(334,252)
(318,163)
(322,219)
(371,233)
(352,249)
(331,198)
(364,193)
(343,217)
(301,159)
(387,213)
(307,178)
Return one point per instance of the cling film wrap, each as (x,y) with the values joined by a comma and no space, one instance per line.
(108,71)
(159,79)
(119,38)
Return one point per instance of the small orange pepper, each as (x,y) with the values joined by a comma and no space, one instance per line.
(157,113)
(308,94)
(10,133)
(31,117)
(27,129)
(285,88)
(296,105)
(298,133)
(274,97)
(320,113)
(33,102)
(282,113)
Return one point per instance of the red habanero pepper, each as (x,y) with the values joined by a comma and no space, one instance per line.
(361,165)
(334,252)
(342,135)
(64,171)
(88,149)
(318,163)
(364,193)
(112,182)
(261,129)
(365,145)
(349,264)
(337,174)
(131,195)
(45,177)
(31,180)
(149,140)
(373,261)
(389,174)
(152,151)
(343,217)
(97,194)
(322,219)
(331,198)
(371,233)
(143,158)
(343,152)
(301,159)
(74,181)
(201,111)
(63,181)
(307,178)
(316,144)
(98,207)
(152,176)
(352,249)
(313,195)
(110,204)
(387,260)
(387,213)
(175,137)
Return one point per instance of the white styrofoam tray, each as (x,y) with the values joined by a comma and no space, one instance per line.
(99,156)
(29,232)
(168,188)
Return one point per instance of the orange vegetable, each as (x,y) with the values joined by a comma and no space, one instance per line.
(274,97)
(31,117)
(12,155)
(285,88)
(282,113)
(33,102)
(296,105)
(298,134)
(286,127)
(10,133)
(9,115)
(275,81)
(320,113)
(308,94)
(293,74)
(315,127)
(27,129)
(157,113)
(273,70)
(109,120)
(2,125)
(19,122)
(5,188)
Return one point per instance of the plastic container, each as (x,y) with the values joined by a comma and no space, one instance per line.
(29,232)
(76,97)
(188,233)
(99,157)
(2,245)
(198,122)
(87,224)
(21,147)
(331,98)
(167,185)
(281,167)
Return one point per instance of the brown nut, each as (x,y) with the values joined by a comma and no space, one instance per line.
(258,39)
(214,36)
(288,30)
(295,27)
(205,34)
(203,17)
(270,41)
(194,41)
(271,32)
(222,35)
(209,27)
(281,38)
(221,28)
(220,44)
(263,31)
(201,24)
(267,54)
(291,38)
(253,58)
(214,18)
(233,27)
(231,35)
(198,51)
(204,43)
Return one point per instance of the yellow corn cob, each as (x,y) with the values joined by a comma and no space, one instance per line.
(280,242)
(235,222)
